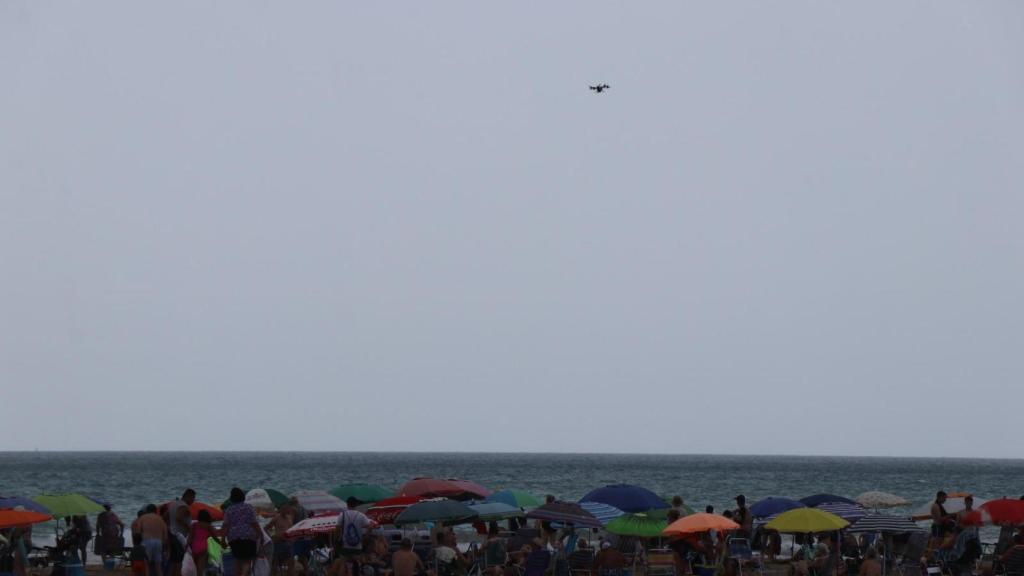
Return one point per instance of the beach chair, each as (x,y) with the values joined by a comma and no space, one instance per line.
(1014,565)
(581,562)
(661,562)
(537,563)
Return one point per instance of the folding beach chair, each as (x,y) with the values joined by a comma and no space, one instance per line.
(661,563)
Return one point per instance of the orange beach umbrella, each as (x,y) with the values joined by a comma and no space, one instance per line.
(699,522)
(12,518)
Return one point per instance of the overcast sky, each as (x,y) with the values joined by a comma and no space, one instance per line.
(788,227)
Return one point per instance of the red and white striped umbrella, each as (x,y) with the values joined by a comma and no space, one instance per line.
(318,501)
(314,526)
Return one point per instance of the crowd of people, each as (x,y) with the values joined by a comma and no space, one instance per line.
(174,540)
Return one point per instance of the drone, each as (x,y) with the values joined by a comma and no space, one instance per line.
(600,88)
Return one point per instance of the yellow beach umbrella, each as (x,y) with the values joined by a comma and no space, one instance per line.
(804,520)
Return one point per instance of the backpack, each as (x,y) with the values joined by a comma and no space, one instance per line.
(351,535)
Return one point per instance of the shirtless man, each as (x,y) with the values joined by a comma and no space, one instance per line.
(154,538)
(405,562)
(276,528)
(941,519)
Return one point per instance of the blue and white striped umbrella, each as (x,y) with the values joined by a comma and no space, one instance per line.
(604,513)
(849,512)
(885,523)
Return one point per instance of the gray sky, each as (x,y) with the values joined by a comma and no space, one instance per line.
(789,227)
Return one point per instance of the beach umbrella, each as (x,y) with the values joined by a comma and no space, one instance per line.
(12,502)
(487,511)
(216,514)
(314,526)
(1004,512)
(70,504)
(772,506)
(638,524)
(1001,512)
(385,511)
(259,499)
(876,499)
(318,501)
(849,512)
(815,500)
(440,510)
(603,512)
(566,513)
(699,522)
(804,520)
(452,488)
(885,523)
(626,497)
(365,493)
(517,498)
(14,518)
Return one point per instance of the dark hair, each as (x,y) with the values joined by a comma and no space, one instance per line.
(940,494)
(549,498)
(440,538)
(709,509)
(406,544)
(188,493)
(237,496)
(204,516)
(150,508)
(741,499)
(352,502)
(727,513)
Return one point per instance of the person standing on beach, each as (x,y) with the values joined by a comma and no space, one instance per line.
(277,528)
(743,517)
(677,504)
(352,525)
(153,530)
(109,533)
(242,530)
(84,529)
(941,520)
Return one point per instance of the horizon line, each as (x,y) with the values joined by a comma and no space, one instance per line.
(491,453)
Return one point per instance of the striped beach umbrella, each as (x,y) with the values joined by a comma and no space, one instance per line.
(849,512)
(318,501)
(566,513)
(604,513)
(885,523)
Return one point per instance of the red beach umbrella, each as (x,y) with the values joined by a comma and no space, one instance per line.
(216,514)
(1002,512)
(446,488)
(385,511)
(12,518)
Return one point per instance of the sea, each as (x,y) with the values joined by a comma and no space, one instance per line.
(130,480)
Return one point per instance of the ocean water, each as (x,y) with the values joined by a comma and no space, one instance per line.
(129,480)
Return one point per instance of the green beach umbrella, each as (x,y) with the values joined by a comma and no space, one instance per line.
(517,498)
(71,504)
(276,496)
(365,493)
(639,524)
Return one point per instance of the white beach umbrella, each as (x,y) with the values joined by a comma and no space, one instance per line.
(313,526)
(260,500)
(876,499)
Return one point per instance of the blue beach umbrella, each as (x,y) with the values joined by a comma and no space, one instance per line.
(12,502)
(771,506)
(817,499)
(626,497)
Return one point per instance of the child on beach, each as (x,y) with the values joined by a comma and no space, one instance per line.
(198,536)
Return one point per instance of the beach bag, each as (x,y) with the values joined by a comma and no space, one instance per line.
(188,565)
(351,535)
